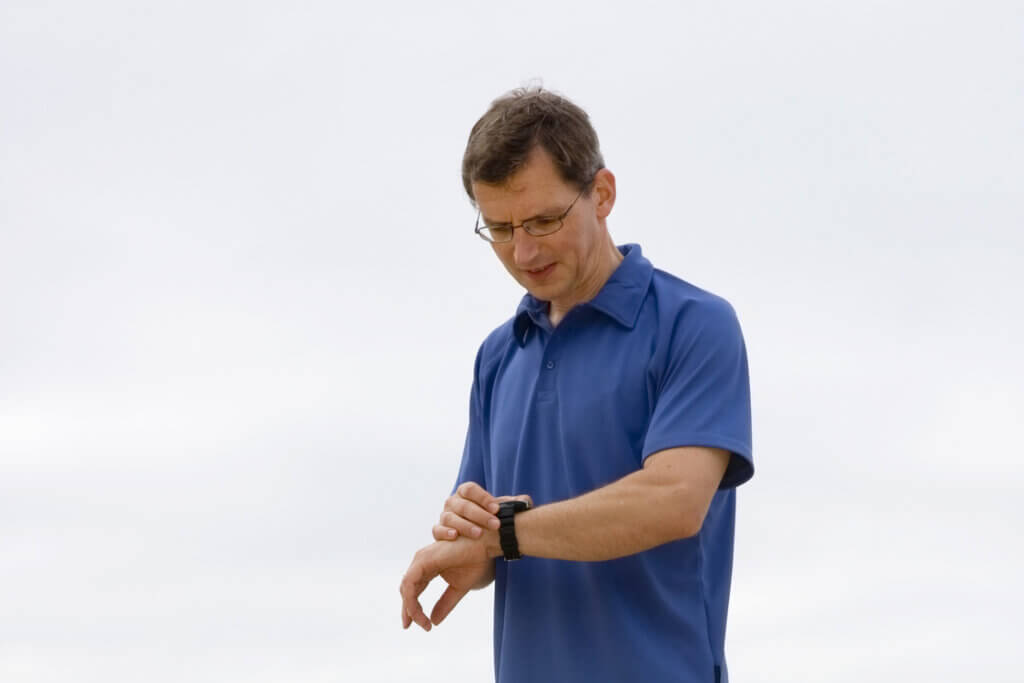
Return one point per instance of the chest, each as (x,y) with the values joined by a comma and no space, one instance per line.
(570,410)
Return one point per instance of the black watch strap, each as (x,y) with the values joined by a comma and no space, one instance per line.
(507,531)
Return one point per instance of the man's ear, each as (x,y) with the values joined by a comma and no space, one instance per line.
(604,190)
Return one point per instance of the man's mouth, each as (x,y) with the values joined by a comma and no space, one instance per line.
(541,271)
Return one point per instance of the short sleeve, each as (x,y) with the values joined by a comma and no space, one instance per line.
(703,394)
(474,451)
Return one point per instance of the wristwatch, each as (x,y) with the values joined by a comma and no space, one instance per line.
(507,531)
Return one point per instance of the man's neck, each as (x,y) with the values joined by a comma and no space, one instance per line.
(610,260)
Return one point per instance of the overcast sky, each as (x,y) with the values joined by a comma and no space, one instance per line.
(240,300)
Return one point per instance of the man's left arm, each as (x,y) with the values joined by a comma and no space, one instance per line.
(665,501)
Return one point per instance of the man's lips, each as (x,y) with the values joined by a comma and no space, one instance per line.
(537,272)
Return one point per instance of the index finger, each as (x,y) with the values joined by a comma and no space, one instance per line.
(472,491)
(413,583)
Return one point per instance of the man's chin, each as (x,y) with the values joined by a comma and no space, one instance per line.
(539,293)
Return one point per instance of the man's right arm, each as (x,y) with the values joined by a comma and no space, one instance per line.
(469,511)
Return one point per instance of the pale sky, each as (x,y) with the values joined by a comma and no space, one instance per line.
(240,300)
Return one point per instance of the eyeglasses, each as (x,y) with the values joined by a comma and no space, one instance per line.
(538,227)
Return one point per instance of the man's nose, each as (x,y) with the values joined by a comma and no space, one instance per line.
(524,248)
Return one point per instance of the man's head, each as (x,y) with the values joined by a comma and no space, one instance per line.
(534,157)
(522,119)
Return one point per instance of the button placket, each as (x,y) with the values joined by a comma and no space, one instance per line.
(546,372)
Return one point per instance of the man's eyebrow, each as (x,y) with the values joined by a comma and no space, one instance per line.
(550,213)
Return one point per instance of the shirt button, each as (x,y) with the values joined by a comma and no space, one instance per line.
(550,364)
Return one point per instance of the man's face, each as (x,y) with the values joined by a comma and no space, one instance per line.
(558,267)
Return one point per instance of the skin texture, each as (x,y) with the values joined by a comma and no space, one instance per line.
(469,511)
(582,251)
(664,501)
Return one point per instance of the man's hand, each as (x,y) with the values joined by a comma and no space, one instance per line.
(469,511)
(464,564)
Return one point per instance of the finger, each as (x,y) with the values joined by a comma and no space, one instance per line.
(463,526)
(413,583)
(444,533)
(473,492)
(406,619)
(414,612)
(446,603)
(471,512)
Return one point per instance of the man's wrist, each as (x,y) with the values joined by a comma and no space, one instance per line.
(492,541)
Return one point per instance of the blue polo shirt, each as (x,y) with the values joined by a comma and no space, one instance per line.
(650,363)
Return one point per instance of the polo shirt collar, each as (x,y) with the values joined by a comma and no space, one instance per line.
(620,298)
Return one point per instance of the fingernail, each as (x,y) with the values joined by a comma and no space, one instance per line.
(476,531)
(494,507)
(451,533)
(494,524)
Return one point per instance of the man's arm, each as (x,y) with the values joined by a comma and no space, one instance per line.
(665,501)
(674,477)
(464,564)
(469,511)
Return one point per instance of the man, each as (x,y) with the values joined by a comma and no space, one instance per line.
(609,426)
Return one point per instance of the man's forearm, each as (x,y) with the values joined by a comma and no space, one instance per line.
(638,512)
(628,516)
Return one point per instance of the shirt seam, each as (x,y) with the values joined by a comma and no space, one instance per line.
(704,439)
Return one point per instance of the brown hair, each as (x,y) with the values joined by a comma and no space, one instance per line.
(522,119)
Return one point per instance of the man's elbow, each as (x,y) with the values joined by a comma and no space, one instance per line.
(686,480)
(687,514)
(688,527)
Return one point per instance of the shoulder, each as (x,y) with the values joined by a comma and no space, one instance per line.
(681,306)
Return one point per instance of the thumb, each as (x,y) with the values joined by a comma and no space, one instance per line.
(446,603)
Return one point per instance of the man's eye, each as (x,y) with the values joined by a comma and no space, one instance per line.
(500,232)
(543,224)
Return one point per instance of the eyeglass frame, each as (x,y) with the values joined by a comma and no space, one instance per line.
(561,223)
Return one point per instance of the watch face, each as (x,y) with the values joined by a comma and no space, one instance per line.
(510,507)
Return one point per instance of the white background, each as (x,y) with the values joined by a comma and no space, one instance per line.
(240,300)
